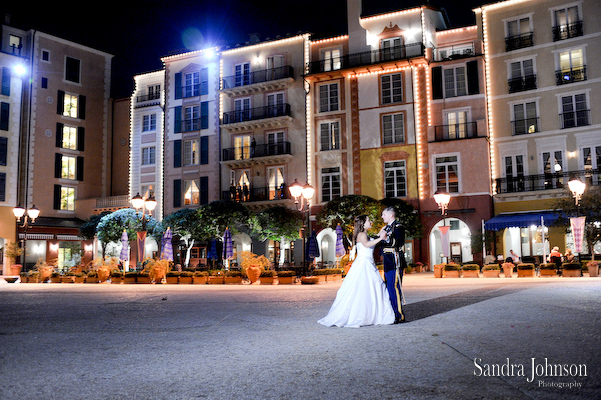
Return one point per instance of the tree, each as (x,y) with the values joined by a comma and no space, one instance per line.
(110,228)
(214,217)
(184,223)
(278,224)
(88,229)
(407,216)
(590,207)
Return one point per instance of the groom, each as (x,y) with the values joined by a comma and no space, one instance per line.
(394,261)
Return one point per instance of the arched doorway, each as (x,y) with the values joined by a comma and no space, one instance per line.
(327,245)
(460,249)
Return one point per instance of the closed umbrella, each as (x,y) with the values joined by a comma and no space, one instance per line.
(124,256)
(340,251)
(212,253)
(228,245)
(312,247)
(167,246)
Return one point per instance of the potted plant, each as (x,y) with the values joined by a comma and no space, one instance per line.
(68,277)
(216,277)
(185,277)
(593,268)
(491,271)
(24,277)
(253,265)
(233,277)
(571,269)
(12,251)
(116,276)
(156,270)
(200,277)
(172,277)
(92,277)
(471,271)
(33,276)
(526,270)
(130,277)
(268,277)
(452,270)
(547,269)
(508,269)
(286,277)
(438,270)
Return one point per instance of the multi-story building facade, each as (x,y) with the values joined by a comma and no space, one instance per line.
(191,135)
(544,94)
(64,150)
(263,127)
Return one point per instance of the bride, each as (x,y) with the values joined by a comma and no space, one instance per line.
(362,298)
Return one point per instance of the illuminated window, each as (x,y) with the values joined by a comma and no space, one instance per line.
(67,200)
(191,152)
(447,174)
(330,135)
(68,165)
(191,192)
(70,137)
(331,59)
(70,108)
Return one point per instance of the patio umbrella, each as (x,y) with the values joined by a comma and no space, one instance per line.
(212,253)
(124,256)
(228,246)
(340,251)
(312,247)
(167,246)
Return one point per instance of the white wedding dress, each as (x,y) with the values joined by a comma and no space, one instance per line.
(362,298)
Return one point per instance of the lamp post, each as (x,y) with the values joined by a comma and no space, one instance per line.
(443,199)
(302,200)
(28,215)
(577,188)
(142,204)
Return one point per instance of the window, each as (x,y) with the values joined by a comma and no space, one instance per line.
(331,59)
(276,143)
(154,92)
(330,135)
(242,147)
(15,43)
(149,122)
(4,115)
(393,128)
(525,119)
(518,34)
(395,179)
(330,183)
(68,166)
(6,74)
(392,49)
(571,67)
(242,109)
(591,162)
(2,186)
(275,175)
(191,152)
(553,166)
(522,76)
(3,151)
(191,118)
(328,97)
(392,88)
(567,24)
(447,174)
(191,192)
(148,155)
(67,198)
(192,84)
(72,69)
(45,55)
(275,104)
(514,173)
(70,105)
(242,74)
(454,82)
(574,111)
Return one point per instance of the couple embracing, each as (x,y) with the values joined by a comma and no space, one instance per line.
(363,298)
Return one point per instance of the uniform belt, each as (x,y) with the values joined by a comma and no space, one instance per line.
(389,250)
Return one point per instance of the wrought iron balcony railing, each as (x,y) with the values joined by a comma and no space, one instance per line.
(549,181)
(574,119)
(255,194)
(562,32)
(260,150)
(519,41)
(570,75)
(367,58)
(525,126)
(522,83)
(253,114)
(257,77)
(464,130)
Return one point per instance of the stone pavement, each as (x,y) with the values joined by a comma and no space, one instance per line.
(465,339)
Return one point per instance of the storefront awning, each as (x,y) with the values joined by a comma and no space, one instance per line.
(520,220)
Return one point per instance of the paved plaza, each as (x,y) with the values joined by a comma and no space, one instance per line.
(465,339)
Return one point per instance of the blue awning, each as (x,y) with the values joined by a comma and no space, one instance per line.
(520,220)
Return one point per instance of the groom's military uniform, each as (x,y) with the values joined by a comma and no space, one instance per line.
(394,266)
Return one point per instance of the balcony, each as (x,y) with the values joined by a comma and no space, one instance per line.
(549,181)
(525,126)
(261,150)
(519,41)
(253,114)
(575,119)
(464,130)
(572,75)
(522,83)
(568,31)
(255,194)
(267,75)
(147,100)
(367,58)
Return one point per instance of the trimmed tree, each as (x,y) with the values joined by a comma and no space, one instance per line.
(110,228)
(184,223)
(278,224)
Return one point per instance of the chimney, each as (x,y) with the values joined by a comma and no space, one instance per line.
(357,41)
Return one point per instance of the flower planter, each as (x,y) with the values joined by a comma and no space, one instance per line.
(253,273)
(185,280)
(91,279)
(15,269)
(268,280)
(508,272)
(593,271)
(572,273)
(129,279)
(491,273)
(526,273)
(547,272)
(144,279)
(452,274)
(286,280)
(55,279)
(67,279)
(80,279)
(116,280)
(233,280)
(470,274)
(438,271)
(200,280)
(216,280)
(172,280)
(309,280)
(333,278)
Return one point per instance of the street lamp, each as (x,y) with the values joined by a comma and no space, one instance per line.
(28,215)
(142,204)
(302,200)
(443,199)
(577,188)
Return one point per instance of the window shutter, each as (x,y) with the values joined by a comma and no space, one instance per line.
(57,197)
(59,134)
(204,115)
(81,135)
(178,85)
(204,190)
(473,81)
(2,186)
(177,193)
(177,153)
(4,116)
(79,168)
(6,81)
(204,149)
(437,92)
(204,81)
(58,164)
(177,120)
(81,107)
(60,102)
(3,150)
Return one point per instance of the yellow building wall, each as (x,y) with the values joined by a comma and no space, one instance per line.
(372,170)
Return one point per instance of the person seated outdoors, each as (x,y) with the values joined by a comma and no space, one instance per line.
(489,259)
(555,258)
(514,257)
(568,256)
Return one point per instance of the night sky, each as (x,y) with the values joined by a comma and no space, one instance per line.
(140,32)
